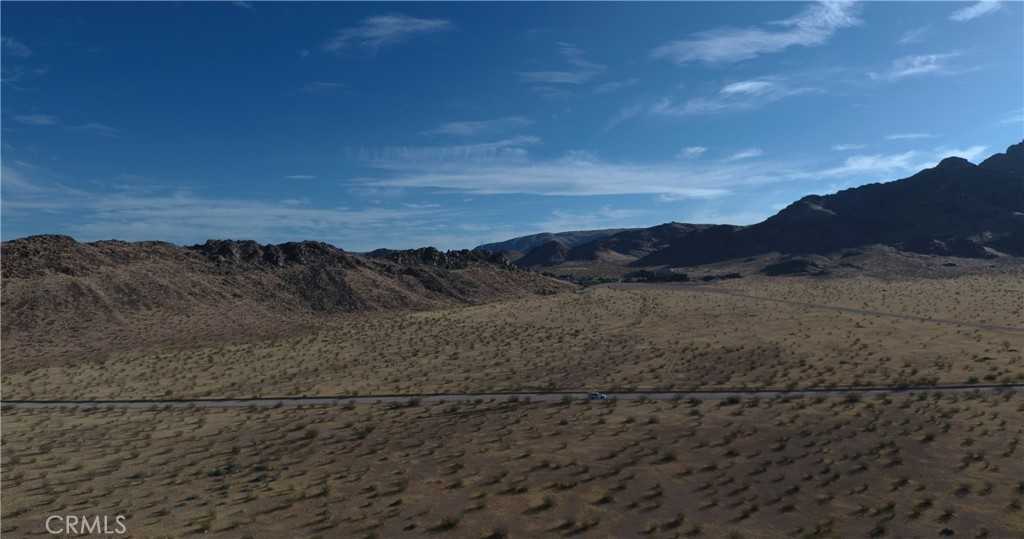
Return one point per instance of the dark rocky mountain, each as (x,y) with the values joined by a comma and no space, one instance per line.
(953,209)
(547,254)
(524,244)
(635,243)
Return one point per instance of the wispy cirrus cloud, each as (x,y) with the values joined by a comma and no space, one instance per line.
(323,87)
(49,120)
(580,69)
(917,65)
(572,174)
(511,149)
(615,85)
(624,114)
(37,119)
(909,136)
(914,35)
(96,128)
(479,127)
(1014,117)
(691,152)
(872,164)
(184,216)
(847,147)
(384,30)
(604,217)
(975,10)
(749,153)
(742,95)
(14,47)
(899,163)
(812,26)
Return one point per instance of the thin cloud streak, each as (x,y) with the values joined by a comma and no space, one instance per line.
(477,127)
(909,136)
(37,119)
(574,174)
(581,70)
(384,30)
(813,26)
(975,10)
(916,65)
(743,95)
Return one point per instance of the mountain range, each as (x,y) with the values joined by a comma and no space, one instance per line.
(954,209)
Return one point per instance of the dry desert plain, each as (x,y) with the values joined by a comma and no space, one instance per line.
(900,465)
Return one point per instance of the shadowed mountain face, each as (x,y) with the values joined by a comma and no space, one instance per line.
(524,244)
(955,209)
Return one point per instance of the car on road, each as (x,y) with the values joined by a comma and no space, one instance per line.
(595,396)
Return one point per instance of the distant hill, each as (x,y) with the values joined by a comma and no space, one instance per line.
(524,244)
(90,297)
(955,209)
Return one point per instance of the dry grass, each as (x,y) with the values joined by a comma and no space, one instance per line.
(599,338)
(905,466)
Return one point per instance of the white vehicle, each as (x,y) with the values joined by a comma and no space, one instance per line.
(595,396)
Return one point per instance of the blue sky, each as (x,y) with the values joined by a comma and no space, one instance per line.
(402,125)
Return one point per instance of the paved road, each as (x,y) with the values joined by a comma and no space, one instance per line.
(551,396)
(712,289)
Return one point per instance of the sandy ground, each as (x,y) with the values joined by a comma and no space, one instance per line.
(906,466)
(601,338)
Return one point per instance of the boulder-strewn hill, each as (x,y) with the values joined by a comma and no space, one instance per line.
(524,244)
(91,296)
(955,209)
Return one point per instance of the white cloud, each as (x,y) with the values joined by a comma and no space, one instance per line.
(15,48)
(581,70)
(323,87)
(383,30)
(899,163)
(96,128)
(909,136)
(750,87)
(914,35)
(1015,117)
(470,128)
(847,147)
(916,65)
(749,153)
(615,86)
(574,174)
(876,163)
(603,217)
(971,153)
(743,95)
(813,26)
(37,119)
(300,177)
(186,217)
(691,152)
(625,114)
(505,150)
(974,10)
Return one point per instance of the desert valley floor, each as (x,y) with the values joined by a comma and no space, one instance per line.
(899,465)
